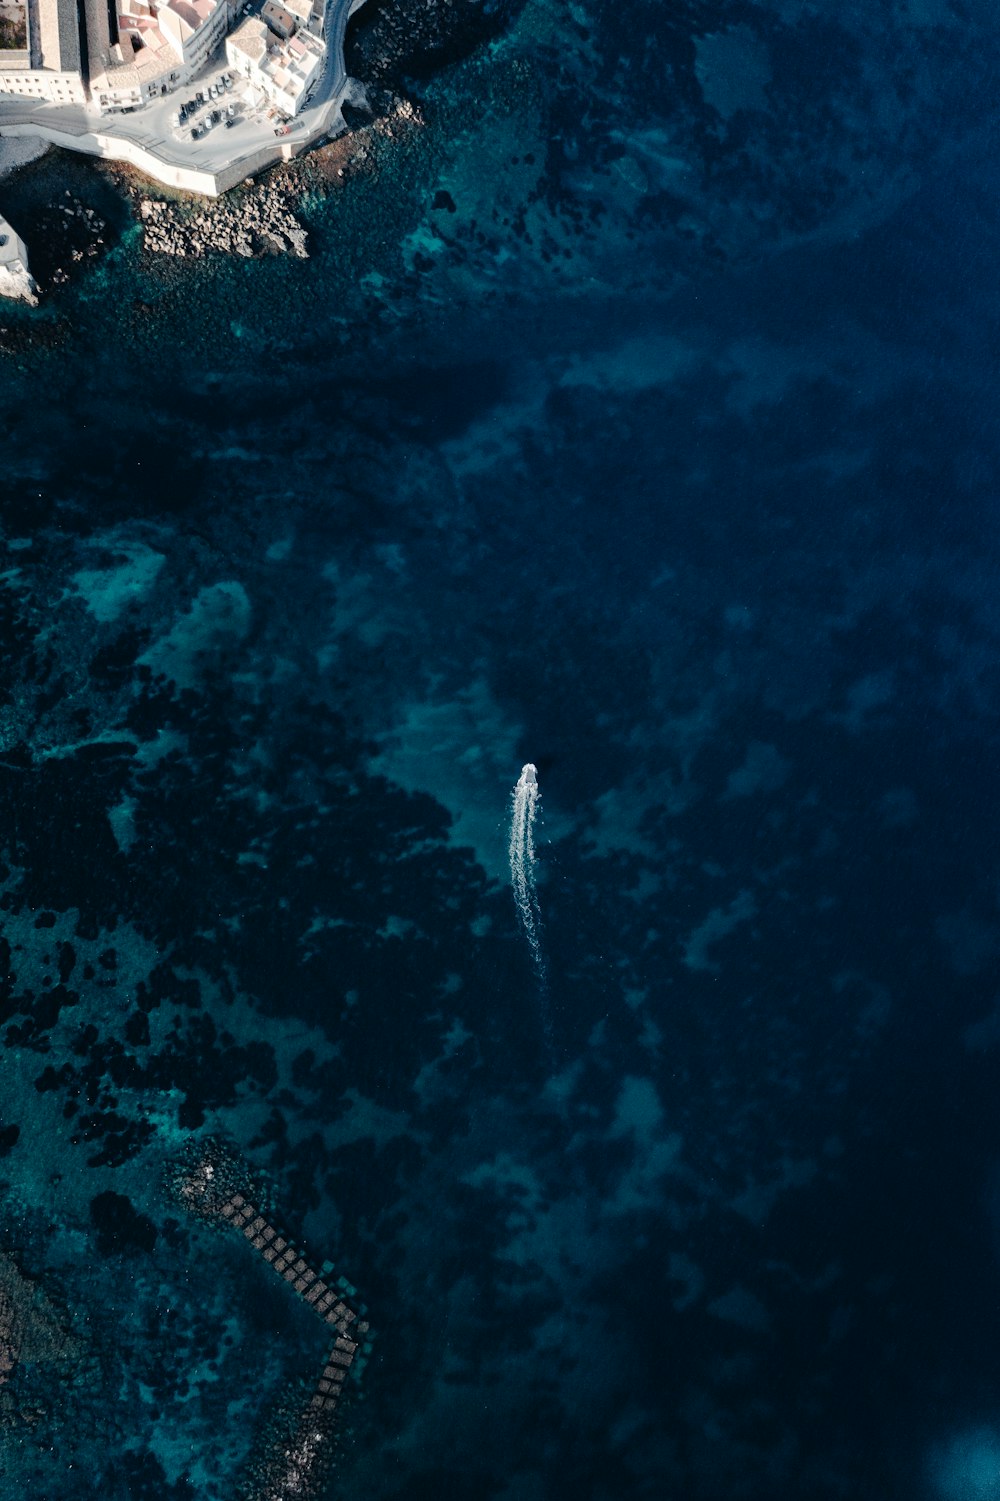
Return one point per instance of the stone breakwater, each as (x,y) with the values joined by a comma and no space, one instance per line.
(259,222)
(214,1186)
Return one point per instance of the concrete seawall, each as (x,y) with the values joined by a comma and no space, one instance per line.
(193,179)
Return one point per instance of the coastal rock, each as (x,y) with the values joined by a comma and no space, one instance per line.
(19,286)
(297,242)
(258,222)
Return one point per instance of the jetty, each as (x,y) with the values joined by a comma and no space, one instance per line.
(214,1185)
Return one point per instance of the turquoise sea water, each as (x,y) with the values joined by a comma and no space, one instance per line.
(634,417)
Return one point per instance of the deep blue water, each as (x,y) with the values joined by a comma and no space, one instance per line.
(634,417)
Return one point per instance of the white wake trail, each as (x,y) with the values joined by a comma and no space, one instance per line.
(524,806)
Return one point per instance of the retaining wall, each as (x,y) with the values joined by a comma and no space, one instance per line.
(193,179)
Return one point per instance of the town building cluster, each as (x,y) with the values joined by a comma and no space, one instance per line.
(282,53)
(118,55)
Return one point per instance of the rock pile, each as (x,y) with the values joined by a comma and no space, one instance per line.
(356,153)
(18,284)
(256,222)
(78,231)
(206,1176)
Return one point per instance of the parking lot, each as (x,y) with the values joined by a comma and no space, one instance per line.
(221,101)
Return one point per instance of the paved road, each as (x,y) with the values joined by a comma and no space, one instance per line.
(220,149)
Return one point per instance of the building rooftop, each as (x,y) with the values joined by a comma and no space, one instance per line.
(291,65)
(193,13)
(59,35)
(250,39)
(129,66)
(279,17)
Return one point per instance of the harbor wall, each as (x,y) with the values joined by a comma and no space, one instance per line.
(192,179)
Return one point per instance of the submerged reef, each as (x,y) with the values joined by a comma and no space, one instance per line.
(32,1330)
(393,43)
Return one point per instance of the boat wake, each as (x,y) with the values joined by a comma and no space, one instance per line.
(524,807)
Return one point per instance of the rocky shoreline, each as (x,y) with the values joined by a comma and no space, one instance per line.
(260,218)
(261,222)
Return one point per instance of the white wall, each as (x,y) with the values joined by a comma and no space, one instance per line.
(16,279)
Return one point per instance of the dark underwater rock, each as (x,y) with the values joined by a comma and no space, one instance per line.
(121,1229)
(393,43)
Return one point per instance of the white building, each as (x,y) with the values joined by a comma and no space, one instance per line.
(128,51)
(18,77)
(309,14)
(291,69)
(195,28)
(50,67)
(283,68)
(161,44)
(246,49)
(16,279)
